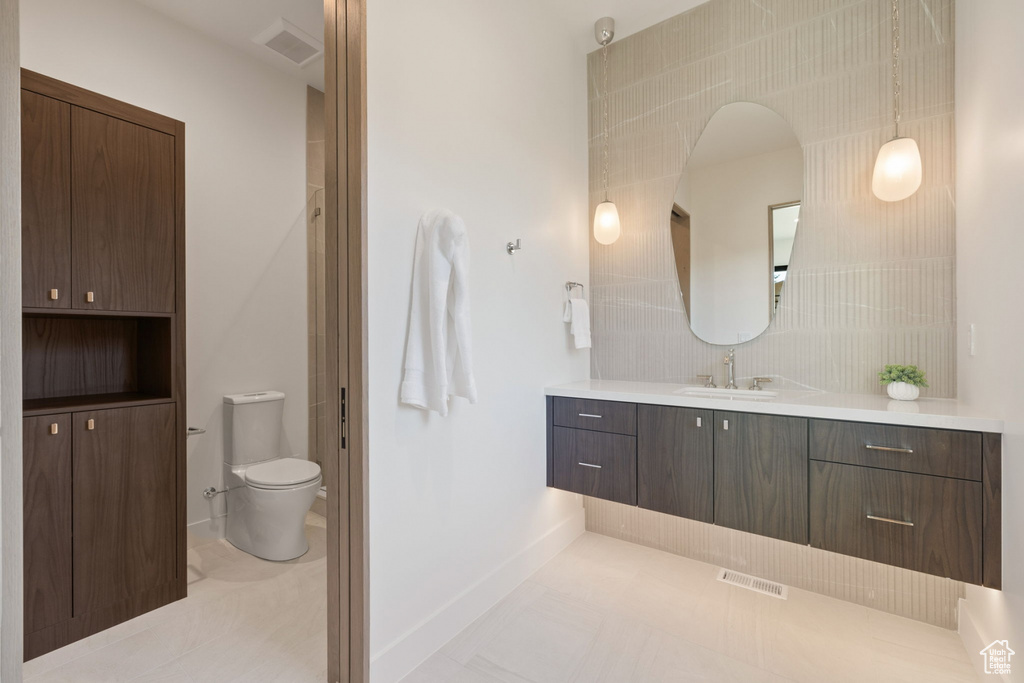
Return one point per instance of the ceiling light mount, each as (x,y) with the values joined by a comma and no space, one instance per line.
(607,227)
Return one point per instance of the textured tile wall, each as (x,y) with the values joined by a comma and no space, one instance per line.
(899,591)
(870,282)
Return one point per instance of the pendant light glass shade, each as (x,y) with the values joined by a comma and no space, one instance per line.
(897,170)
(606,223)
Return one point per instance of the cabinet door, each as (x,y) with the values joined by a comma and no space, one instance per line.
(123,215)
(124,503)
(761,474)
(595,464)
(46,486)
(45,202)
(675,461)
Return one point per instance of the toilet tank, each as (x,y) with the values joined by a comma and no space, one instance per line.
(252,426)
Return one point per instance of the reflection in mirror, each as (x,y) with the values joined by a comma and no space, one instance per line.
(734,222)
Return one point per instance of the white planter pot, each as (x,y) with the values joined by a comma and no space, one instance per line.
(901,391)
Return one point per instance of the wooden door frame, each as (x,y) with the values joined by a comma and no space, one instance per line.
(345,470)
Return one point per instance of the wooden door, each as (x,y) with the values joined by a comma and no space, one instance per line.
(46,484)
(761,474)
(675,461)
(123,213)
(124,503)
(45,202)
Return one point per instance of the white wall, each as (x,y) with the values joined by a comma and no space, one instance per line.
(11,623)
(990,248)
(479,107)
(245,201)
(730,285)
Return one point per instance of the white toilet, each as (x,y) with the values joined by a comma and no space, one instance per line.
(268,495)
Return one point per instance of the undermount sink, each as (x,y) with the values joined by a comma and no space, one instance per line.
(731,394)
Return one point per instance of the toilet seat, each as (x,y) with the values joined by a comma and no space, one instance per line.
(282,473)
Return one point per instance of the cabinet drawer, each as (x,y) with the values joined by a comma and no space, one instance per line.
(915,521)
(906,449)
(599,416)
(595,464)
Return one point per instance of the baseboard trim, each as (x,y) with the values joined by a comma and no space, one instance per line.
(974,641)
(401,656)
(205,531)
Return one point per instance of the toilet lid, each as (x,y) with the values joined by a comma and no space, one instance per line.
(282,472)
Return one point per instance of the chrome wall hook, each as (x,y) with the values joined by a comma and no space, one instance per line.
(513,248)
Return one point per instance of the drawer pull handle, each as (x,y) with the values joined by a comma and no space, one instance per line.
(890,521)
(890,449)
(589,415)
(587,464)
(700,422)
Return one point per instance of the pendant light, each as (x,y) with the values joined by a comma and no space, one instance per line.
(606,218)
(898,167)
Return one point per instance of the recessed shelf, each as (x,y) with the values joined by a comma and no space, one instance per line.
(68,404)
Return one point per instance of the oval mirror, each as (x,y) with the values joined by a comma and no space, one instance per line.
(734,221)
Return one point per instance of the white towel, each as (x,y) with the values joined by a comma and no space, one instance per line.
(578,313)
(438,353)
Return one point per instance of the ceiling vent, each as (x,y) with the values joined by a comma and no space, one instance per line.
(291,42)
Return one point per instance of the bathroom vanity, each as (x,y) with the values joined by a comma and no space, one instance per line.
(913,485)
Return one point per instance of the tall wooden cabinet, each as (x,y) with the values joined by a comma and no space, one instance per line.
(104,360)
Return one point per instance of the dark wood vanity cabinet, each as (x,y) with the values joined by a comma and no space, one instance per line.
(675,461)
(103,353)
(918,498)
(761,474)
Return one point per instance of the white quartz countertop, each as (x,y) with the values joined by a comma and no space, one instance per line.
(940,413)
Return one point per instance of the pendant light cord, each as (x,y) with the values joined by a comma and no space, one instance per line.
(896,64)
(604,118)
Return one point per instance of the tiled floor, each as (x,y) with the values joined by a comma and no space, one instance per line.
(606,610)
(602,610)
(245,619)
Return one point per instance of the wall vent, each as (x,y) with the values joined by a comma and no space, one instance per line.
(776,590)
(291,42)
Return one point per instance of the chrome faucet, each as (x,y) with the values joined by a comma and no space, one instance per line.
(730,362)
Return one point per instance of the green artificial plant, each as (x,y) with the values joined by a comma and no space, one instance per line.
(903,373)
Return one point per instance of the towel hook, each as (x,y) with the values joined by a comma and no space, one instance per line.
(513,248)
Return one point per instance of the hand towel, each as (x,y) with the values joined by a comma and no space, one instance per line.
(580,327)
(438,351)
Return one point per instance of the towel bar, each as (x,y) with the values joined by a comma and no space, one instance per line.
(570,285)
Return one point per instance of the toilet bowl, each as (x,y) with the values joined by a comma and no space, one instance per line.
(267,506)
(268,496)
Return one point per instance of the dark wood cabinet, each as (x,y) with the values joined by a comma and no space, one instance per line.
(595,464)
(47,494)
(675,461)
(103,353)
(761,474)
(122,215)
(45,201)
(915,521)
(920,498)
(124,493)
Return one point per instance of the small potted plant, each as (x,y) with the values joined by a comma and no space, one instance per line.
(903,382)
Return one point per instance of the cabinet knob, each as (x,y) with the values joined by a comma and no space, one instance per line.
(54,295)
(54,428)
(91,424)
(89,297)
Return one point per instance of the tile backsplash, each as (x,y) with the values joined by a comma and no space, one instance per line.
(870,283)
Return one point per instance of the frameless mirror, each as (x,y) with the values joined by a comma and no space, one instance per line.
(734,222)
